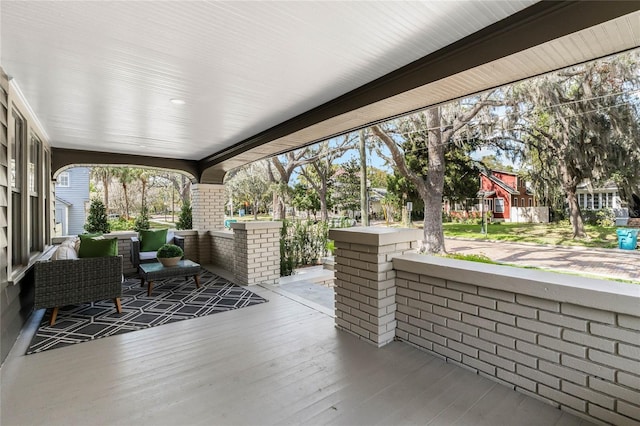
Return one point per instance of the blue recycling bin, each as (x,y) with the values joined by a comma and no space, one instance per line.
(627,238)
(228,222)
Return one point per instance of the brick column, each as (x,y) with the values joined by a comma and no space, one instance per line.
(207,205)
(257,252)
(365,279)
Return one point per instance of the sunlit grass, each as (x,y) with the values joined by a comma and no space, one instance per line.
(548,233)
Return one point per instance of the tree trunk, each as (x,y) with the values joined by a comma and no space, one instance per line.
(275,206)
(279,212)
(144,191)
(569,185)
(433,235)
(105,184)
(185,192)
(126,201)
(324,212)
(364,204)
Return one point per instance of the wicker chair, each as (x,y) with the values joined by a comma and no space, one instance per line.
(138,257)
(68,282)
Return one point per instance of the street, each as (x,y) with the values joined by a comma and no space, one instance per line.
(612,263)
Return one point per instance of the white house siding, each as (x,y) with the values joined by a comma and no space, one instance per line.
(530,214)
(16,285)
(4,176)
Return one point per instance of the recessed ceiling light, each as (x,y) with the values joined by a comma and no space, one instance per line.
(177,101)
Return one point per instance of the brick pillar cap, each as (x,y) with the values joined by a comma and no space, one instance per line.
(256,225)
(375,236)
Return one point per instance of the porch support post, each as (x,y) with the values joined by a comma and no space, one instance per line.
(257,252)
(207,207)
(365,284)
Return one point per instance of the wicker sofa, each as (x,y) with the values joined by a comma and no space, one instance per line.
(67,282)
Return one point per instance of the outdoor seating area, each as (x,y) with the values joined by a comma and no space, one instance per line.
(88,269)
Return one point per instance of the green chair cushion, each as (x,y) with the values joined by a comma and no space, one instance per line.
(152,240)
(105,247)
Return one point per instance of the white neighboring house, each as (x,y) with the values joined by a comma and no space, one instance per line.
(604,196)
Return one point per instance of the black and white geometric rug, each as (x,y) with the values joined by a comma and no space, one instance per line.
(173,299)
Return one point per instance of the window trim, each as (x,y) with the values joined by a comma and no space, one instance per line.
(60,184)
(499,201)
(19,199)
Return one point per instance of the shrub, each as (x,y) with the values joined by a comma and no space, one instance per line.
(331,246)
(142,221)
(303,242)
(97,218)
(121,224)
(170,250)
(602,217)
(287,263)
(471,257)
(185,221)
(605,217)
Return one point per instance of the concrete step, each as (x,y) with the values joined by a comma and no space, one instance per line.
(314,274)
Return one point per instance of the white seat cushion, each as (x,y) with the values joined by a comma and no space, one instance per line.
(64,252)
(73,242)
(147,255)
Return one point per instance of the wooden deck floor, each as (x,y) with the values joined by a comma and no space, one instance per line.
(276,363)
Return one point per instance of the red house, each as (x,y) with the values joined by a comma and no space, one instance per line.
(503,190)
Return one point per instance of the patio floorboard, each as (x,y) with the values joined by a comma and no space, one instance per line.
(280,362)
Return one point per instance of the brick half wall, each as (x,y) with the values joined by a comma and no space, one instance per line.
(570,341)
(222,249)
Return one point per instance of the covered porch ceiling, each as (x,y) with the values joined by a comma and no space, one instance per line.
(261,78)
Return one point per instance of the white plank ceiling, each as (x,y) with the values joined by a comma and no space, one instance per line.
(100,74)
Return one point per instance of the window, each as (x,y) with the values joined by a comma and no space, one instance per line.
(488,204)
(35,163)
(596,201)
(581,202)
(530,202)
(17,145)
(522,202)
(28,191)
(63,180)
(45,195)
(589,204)
(610,200)
(515,201)
(499,205)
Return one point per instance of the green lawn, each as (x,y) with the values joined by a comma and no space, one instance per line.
(547,233)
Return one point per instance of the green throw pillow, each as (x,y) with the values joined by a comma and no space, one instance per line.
(98,248)
(152,240)
(89,236)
